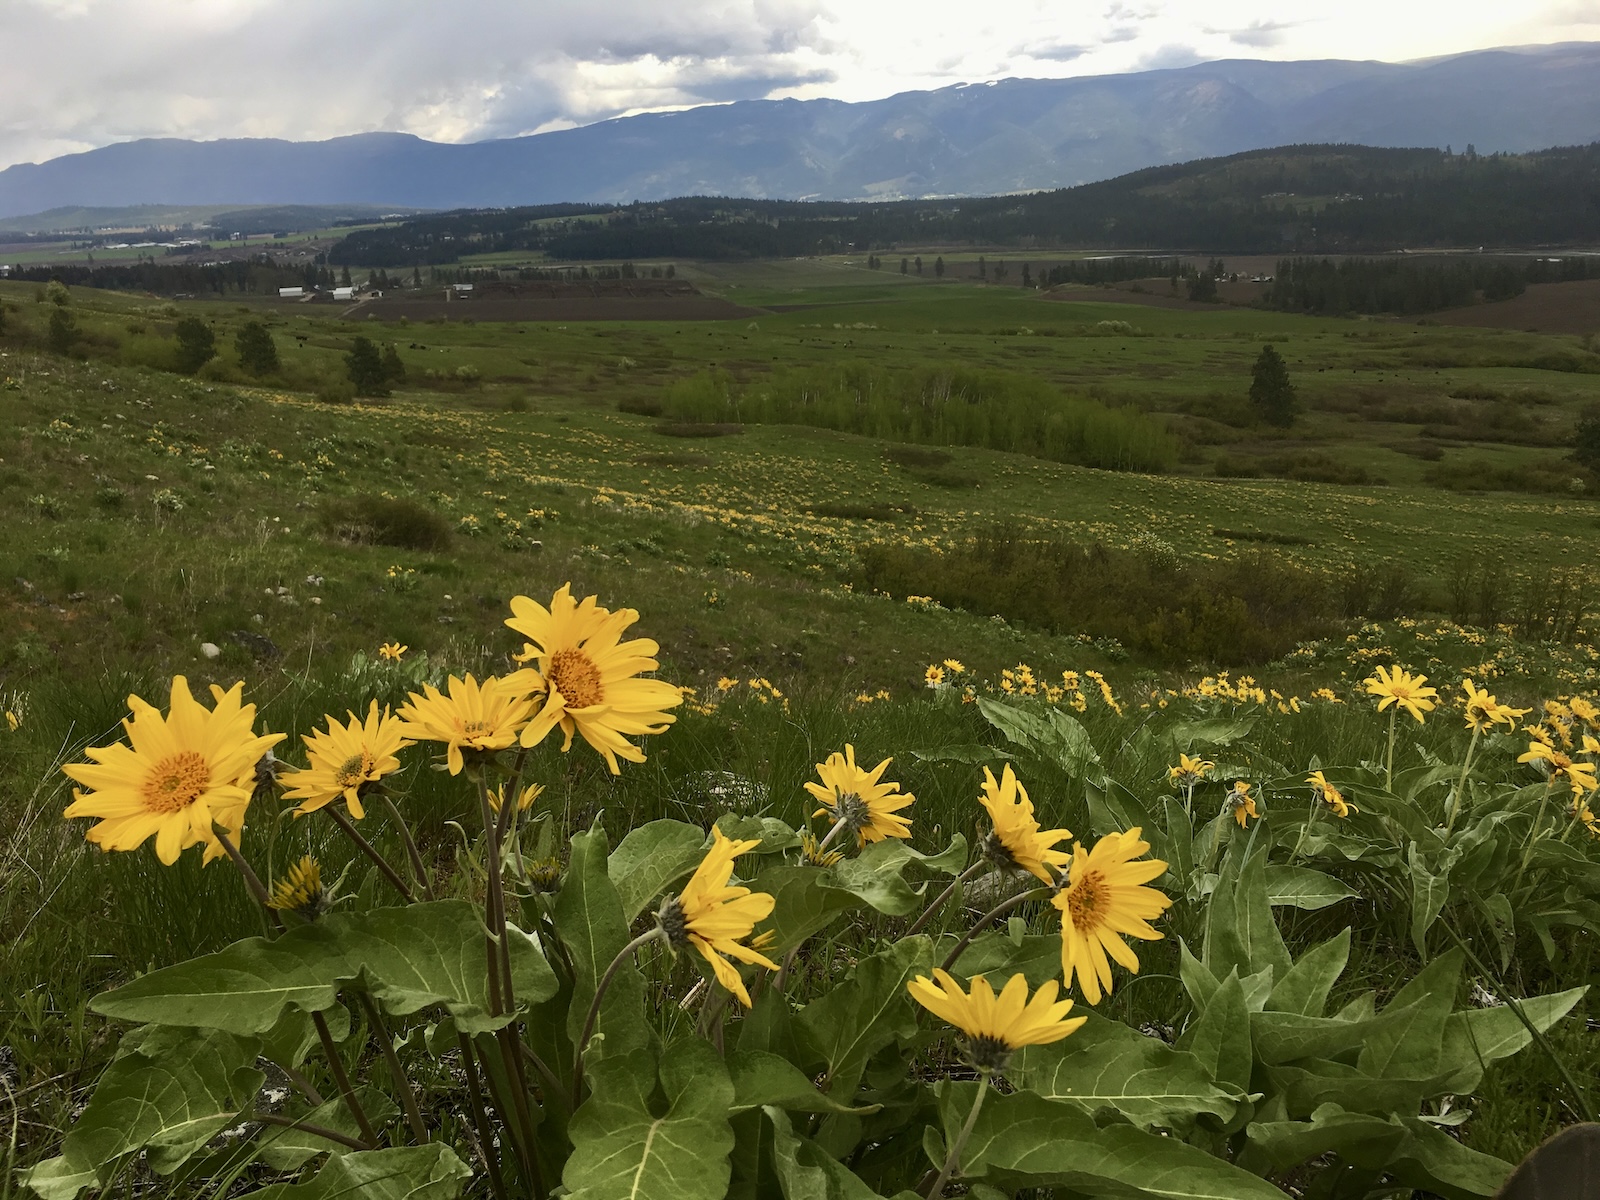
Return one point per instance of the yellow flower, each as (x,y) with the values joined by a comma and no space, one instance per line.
(176,775)
(300,890)
(1189,771)
(1395,686)
(1330,795)
(996,1025)
(933,676)
(813,855)
(1103,902)
(715,918)
(586,679)
(1483,711)
(1017,840)
(954,667)
(868,808)
(1242,802)
(477,719)
(1583,710)
(1580,775)
(13,721)
(525,798)
(345,760)
(393,651)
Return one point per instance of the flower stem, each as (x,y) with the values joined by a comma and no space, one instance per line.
(495,904)
(408,1097)
(939,900)
(952,1159)
(321,1131)
(838,827)
(1533,835)
(480,1118)
(371,851)
(1461,785)
(994,914)
(412,852)
(1388,767)
(252,881)
(336,1064)
(623,956)
(1311,817)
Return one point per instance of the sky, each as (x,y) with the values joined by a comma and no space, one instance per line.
(77,74)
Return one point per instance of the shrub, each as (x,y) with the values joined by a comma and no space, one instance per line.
(386,521)
(197,344)
(364,367)
(639,407)
(62,331)
(258,353)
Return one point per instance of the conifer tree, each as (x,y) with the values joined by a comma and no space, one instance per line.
(258,354)
(1272,395)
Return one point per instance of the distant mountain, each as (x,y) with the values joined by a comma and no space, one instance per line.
(1008,136)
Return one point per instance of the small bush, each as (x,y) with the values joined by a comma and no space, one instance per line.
(385,521)
(862,512)
(698,429)
(916,456)
(639,407)
(333,390)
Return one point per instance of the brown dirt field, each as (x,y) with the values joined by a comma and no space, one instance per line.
(560,309)
(1544,308)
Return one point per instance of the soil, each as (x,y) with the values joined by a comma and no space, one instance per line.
(1544,308)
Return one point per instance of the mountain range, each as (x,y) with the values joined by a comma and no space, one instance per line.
(1011,135)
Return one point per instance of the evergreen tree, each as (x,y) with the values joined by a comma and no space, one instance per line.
(258,354)
(394,371)
(904,265)
(938,267)
(63,331)
(919,264)
(197,345)
(1027,276)
(416,276)
(1586,439)
(983,271)
(1203,286)
(1272,395)
(364,366)
(344,276)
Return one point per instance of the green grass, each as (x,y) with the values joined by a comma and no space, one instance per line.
(150,513)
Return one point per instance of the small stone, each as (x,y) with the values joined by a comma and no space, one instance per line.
(210,649)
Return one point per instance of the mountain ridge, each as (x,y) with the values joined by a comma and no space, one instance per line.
(1010,135)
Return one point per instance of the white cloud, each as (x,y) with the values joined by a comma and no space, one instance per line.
(82,73)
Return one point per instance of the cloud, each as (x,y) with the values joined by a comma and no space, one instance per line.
(1170,56)
(1051,51)
(1259,33)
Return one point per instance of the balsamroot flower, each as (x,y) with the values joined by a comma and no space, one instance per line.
(1190,771)
(392,651)
(525,798)
(1242,803)
(473,719)
(1484,712)
(715,918)
(1104,902)
(1557,765)
(869,809)
(346,761)
(1330,796)
(1392,685)
(1017,840)
(300,891)
(995,1026)
(176,775)
(585,679)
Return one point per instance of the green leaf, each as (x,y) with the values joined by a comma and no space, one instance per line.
(624,1147)
(1428,895)
(1106,1065)
(1407,1045)
(1220,1039)
(805,902)
(408,958)
(1304,988)
(805,1171)
(167,1093)
(1301,887)
(1502,923)
(1240,929)
(1210,731)
(651,859)
(875,876)
(762,1079)
(1024,1140)
(430,1172)
(1479,1036)
(997,955)
(588,915)
(285,1149)
(848,1025)
(1180,840)
(774,835)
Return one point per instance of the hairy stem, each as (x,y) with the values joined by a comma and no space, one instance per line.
(321,1131)
(1461,785)
(623,956)
(408,1097)
(352,1102)
(994,914)
(371,851)
(938,901)
(480,1118)
(412,852)
(953,1159)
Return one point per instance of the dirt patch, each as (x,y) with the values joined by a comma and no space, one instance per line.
(1572,307)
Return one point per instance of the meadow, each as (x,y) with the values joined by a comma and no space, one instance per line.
(227,528)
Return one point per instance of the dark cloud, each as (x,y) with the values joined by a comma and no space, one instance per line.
(1258,33)
(1052,51)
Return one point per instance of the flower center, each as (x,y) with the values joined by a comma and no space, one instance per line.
(176,782)
(994,848)
(353,770)
(1085,900)
(475,729)
(988,1053)
(674,922)
(574,674)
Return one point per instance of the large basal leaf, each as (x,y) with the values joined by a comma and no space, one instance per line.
(1036,956)
(1305,987)
(652,859)
(804,902)
(1024,1140)
(1240,931)
(1301,887)
(408,958)
(1407,1046)
(1429,891)
(430,1172)
(167,1093)
(1220,1038)
(876,876)
(588,915)
(764,1079)
(624,1147)
(1479,1036)
(805,1171)
(1210,731)
(851,1023)
(1107,1065)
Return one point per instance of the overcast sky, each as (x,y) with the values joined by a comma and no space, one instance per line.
(76,74)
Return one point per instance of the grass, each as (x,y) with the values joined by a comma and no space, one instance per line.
(151,513)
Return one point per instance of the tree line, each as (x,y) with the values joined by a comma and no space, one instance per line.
(1413,285)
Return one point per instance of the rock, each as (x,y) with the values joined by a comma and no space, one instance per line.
(210,649)
(258,644)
